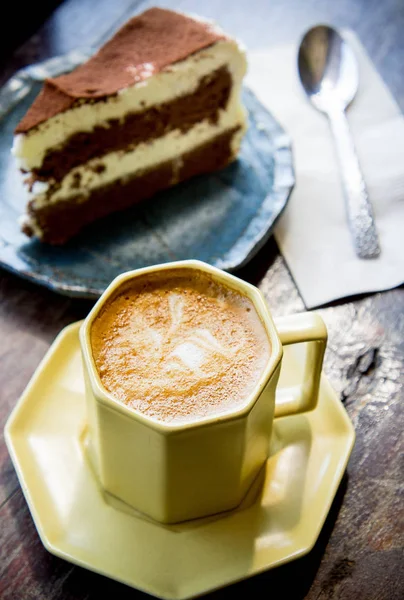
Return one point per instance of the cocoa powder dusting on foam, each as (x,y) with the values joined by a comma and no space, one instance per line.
(177,348)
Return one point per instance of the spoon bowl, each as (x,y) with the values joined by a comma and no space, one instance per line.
(328,68)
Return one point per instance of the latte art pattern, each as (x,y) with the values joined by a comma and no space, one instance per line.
(180,348)
(195,353)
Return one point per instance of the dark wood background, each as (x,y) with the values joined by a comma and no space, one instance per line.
(359,554)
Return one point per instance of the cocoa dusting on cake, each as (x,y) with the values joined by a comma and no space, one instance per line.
(144,46)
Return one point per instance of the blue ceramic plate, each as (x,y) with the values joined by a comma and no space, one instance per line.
(222,218)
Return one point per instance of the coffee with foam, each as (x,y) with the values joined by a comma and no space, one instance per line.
(178,346)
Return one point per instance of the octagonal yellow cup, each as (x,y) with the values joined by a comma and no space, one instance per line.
(177,472)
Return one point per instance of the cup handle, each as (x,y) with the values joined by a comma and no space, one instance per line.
(294,329)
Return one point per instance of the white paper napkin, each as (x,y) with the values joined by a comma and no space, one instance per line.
(313,233)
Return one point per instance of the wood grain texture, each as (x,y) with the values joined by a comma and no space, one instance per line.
(359,553)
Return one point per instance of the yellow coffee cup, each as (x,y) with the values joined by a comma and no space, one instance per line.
(175,472)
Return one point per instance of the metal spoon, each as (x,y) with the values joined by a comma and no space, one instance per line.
(329,74)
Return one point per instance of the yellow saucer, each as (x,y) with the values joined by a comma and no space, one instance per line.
(279,521)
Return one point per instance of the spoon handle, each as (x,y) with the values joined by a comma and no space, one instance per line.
(359,209)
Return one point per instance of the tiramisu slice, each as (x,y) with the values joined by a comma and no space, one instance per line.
(158,103)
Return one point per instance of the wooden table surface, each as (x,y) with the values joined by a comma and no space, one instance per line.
(359,554)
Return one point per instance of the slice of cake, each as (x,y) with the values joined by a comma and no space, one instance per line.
(158,103)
